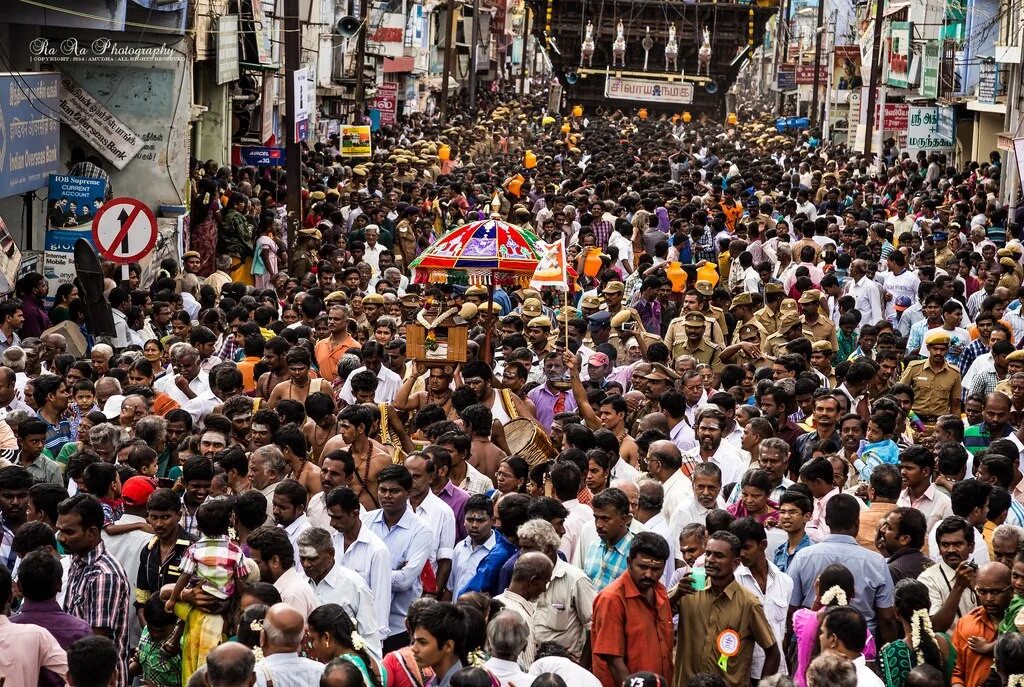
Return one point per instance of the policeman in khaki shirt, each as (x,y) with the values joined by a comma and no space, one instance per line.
(696,344)
(936,383)
(768,316)
(748,337)
(706,289)
(742,307)
(789,329)
(816,327)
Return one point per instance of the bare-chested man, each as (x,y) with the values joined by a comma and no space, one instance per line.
(611,414)
(484,455)
(273,355)
(355,423)
(438,391)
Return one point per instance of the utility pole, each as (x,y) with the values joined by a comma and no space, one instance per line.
(361,57)
(446,75)
(876,76)
(293,164)
(472,57)
(526,50)
(817,62)
(782,50)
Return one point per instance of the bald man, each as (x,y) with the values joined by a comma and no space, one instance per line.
(282,633)
(994,591)
(230,665)
(649,511)
(530,578)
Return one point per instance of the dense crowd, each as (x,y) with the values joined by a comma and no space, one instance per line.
(773,435)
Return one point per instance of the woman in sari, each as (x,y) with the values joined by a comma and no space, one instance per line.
(202,224)
(755,488)
(236,238)
(332,635)
(919,644)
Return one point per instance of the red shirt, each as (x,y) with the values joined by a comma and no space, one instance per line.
(625,624)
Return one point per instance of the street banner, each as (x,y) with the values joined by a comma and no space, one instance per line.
(356,141)
(846,75)
(899,54)
(91,120)
(551,270)
(71,204)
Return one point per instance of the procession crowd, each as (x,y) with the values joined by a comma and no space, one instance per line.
(773,435)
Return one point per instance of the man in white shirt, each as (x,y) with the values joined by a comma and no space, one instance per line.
(664,461)
(480,540)
(388,382)
(566,480)
(289,510)
(507,636)
(530,577)
(334,583)
(270,549)
(373,249)
(189,385)
(438,514)
(358,549)
(865,293)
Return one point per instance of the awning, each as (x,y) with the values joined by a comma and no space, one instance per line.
(895,7)
(399,65)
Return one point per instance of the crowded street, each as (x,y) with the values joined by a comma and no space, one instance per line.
(665,372)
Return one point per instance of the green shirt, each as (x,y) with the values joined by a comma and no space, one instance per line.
(157,668)
(1007,624)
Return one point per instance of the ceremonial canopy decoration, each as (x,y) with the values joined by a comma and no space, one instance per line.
(489,252)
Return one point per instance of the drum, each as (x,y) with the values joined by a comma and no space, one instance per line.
(525,438)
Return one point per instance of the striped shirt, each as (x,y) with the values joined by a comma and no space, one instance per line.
(603,563)
(99,593)
(57,434)
(977,437)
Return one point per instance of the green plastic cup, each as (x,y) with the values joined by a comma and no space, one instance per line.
(699,579)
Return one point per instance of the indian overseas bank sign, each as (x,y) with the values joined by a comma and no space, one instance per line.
(668,92)
(29,131)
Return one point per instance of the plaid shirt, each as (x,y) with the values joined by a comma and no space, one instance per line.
(704,247)
(99,593)
(7,555)
(970,354)
(218,562)
(602,232)
(604,564)
(229,349)
(158,669)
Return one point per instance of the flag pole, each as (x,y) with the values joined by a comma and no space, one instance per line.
(566,317)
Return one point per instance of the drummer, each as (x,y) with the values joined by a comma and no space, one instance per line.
(554,396)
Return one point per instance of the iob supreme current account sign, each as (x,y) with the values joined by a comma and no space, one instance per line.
(124,230)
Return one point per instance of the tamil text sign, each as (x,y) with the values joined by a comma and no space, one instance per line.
(899,54)
(386,102)
(678,93)
(930,128)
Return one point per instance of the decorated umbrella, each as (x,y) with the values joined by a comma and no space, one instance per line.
(486,253)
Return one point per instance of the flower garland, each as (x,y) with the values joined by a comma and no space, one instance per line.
(834,593)
(1015,680)
(430,342)
(920,623)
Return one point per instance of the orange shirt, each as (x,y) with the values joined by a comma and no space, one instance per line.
(247,367)
(625,624)
(732,213)
(972,668)
(328,355)
(163,404)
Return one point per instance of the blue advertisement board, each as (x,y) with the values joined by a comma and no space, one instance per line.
(29,131)
(263,157)
(71,204)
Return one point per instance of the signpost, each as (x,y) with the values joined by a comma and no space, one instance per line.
(29,132)
(899,54)
(930,128)
(386,102)
(262,157)
(805,74)
(786,78)
(124,231)
(678,93)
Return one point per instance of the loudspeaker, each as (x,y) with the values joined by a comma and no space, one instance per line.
(572,77)
(348,26)
(711,87)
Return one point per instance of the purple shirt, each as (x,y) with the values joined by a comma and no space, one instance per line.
(544,399)
(456,498)
(36,319)
(65,628)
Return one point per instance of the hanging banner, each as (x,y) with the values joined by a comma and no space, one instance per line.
(356,141)
(91,120)
(785,78)
(899,54)
(71,204)
(930,70)
(227,55)
(846,74)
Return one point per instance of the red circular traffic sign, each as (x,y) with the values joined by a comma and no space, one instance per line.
(124,230)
